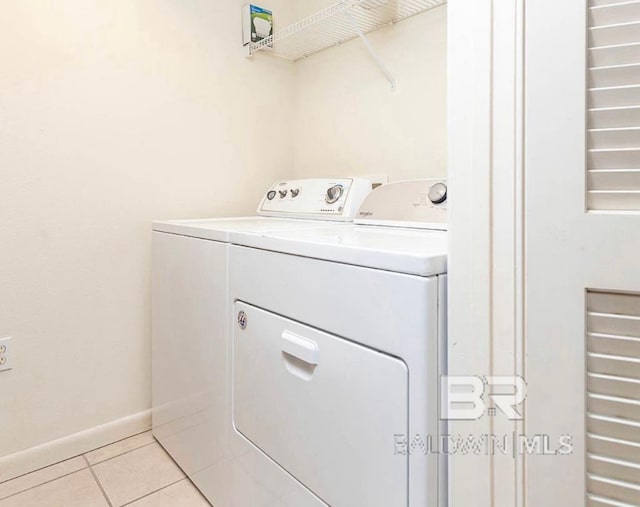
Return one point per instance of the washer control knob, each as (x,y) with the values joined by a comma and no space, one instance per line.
(271,194)
(334,193)
(295,192)
(283,193)
(438,193)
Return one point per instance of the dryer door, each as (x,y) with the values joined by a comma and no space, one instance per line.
(325,409)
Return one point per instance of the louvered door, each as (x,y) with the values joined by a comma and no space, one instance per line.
(613,397)
(613,164)
(582,250)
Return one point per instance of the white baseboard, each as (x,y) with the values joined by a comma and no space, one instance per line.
(67,447)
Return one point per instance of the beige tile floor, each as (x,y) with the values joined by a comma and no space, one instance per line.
(135,472)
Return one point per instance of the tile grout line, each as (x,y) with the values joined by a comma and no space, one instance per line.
(118,441)
(69,459)
(44,482)
(155,491)
(39,469)
(89,466)
(121,454)
(86,465)
(95,478)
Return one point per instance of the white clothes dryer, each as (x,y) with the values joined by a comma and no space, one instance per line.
(338,342)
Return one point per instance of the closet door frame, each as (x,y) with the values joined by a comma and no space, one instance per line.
(486,264)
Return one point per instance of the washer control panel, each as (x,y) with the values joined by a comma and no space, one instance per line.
(322,198)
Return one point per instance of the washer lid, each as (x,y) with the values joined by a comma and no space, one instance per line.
(219,229)
(409,251)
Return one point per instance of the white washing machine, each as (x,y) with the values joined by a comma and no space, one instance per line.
(190,309)
(338,343)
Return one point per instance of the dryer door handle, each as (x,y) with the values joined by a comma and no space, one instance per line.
(301,348)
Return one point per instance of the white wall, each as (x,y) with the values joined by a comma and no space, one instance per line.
(349,121)
(114,113)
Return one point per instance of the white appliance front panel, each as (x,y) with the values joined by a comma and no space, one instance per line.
(189,352)
(323,408)
(391,312)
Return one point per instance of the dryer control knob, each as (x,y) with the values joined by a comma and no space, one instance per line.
(438,193)
(334,193)
(283,193)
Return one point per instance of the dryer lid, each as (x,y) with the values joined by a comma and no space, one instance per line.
(415,204)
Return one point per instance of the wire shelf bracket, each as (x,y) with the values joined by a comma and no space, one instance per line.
(372,52)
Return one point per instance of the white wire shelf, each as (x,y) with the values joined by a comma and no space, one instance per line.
(341,22)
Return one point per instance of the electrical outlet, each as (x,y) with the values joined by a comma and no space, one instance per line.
(5,354)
